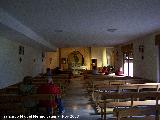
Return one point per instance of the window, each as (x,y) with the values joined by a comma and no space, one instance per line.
(128,64)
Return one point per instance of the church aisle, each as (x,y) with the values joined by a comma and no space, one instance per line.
(77,104)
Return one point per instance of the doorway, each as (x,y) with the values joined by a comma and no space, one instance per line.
(94,63)
(128,64)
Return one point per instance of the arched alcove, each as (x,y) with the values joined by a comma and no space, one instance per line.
(75,60)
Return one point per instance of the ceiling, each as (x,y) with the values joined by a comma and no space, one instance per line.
(76,23)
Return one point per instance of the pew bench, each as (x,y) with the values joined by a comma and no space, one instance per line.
(136,113)
(15,104)
(146,96)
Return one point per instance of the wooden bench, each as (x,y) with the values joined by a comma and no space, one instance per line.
(135,113)
(10,103)
(135,87)
(120,88)
(128,82)
(132,96)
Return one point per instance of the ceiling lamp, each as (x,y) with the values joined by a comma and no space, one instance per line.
(111,30)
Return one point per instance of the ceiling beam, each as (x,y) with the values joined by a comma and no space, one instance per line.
(16,25)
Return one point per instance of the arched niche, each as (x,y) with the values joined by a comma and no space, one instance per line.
(75,60)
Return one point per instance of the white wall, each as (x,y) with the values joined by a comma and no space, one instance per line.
(97,53)
(110,56)
(118,58)
(12,71)
(146,68)
(55,60)
(103,54)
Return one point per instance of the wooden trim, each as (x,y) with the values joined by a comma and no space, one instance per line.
(60,57)
(127,48)
(90,51)
(157,39)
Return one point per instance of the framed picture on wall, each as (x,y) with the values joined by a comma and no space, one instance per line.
(21,50)
(63,60)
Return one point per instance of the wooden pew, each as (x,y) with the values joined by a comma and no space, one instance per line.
(132,95)
(58,80)
(109,78)
(10,94)
(11,109)
(106,83)
(136,87)
(97,94)
(136,113)
(120,88)
(140,118)
(13,104)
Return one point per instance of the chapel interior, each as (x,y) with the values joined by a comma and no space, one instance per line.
(102,57)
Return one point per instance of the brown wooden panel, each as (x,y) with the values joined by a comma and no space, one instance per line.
(135,111)
(157,39)
(127,48)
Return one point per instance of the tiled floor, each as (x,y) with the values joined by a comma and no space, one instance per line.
(77,104)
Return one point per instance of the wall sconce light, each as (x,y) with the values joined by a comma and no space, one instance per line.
(34,60)
(142,57)
(50,60)
(21,50)
(20,59)
(63,60)
(43,56)
(141,50)
(116,55)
